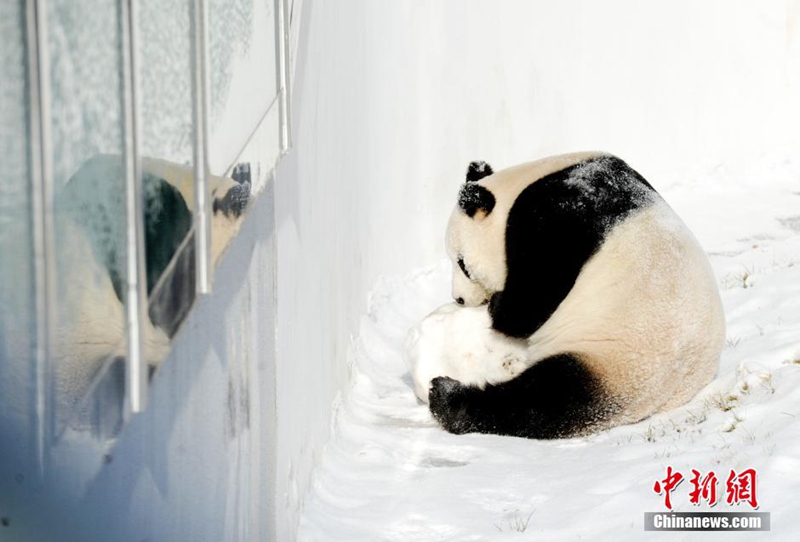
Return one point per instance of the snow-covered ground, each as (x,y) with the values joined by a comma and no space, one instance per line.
(390,473)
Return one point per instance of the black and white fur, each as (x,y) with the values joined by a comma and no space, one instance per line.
(587,304)
(90,244)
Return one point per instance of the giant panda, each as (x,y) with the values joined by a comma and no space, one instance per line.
(90,244)
(582,302)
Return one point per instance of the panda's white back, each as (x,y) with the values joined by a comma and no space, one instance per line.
(645,314)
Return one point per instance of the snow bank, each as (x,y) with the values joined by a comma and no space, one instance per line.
(390,473)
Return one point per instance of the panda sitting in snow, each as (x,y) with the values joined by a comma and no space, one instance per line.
(583,302)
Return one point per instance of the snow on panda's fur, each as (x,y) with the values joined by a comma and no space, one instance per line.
(90,245)
(589,304)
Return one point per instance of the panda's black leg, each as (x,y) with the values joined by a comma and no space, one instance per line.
(452,404)
(557,397)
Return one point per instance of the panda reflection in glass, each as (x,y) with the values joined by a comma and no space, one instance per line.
(582,302)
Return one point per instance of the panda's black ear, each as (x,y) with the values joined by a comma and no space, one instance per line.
(477,171)
(475,199)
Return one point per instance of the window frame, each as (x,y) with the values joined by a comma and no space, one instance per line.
(43,192)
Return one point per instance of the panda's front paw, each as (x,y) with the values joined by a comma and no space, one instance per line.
(448,403)
(444,386)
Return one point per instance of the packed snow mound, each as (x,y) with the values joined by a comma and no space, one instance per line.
(391,473)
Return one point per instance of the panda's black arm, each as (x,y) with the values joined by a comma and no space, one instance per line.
(555,398)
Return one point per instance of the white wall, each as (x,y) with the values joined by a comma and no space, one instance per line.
(393,99)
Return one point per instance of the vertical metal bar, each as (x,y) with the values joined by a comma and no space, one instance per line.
(282,49)
(135,300)
(43,225)
(201,108)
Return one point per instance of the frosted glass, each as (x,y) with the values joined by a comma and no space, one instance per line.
(243,88)
(165,79)
(165,58)
(17,318)
(84,47)
(243,75)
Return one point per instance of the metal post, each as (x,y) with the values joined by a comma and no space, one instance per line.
(282,49)
(201,108)
(136,299)
(42,222)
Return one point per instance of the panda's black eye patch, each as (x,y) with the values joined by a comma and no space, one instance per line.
(464,268)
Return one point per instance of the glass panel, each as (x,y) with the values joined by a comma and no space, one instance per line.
(167,143)
(17,318)
(84,44)
(260,156)
(242,68)
(86,127)
(243,88)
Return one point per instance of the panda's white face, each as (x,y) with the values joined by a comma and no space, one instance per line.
(476,248)
(229,202)
(467,290)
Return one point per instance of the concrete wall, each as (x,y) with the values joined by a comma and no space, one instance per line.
(393,99)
